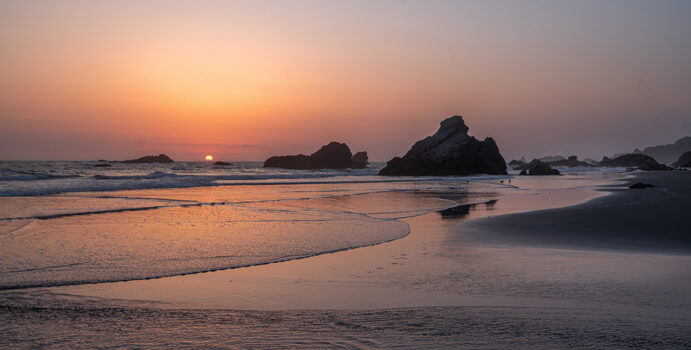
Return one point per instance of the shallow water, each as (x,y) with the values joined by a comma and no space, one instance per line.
(99,236)
(426,289)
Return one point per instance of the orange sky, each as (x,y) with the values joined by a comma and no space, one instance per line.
(245,80)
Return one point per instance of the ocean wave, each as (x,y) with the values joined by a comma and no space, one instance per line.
(46,178)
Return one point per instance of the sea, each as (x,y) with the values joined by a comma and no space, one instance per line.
(77,224)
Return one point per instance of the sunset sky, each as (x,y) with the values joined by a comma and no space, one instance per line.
(245,80)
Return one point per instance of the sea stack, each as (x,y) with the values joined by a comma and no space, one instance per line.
(640,161)
(450,151)
(537,167)
(335,155)
(161,158)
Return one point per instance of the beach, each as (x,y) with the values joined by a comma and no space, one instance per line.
(452,278)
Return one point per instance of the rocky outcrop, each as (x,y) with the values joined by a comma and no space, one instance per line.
(332,156)
(640,161)
(450,151)
(684,161)
(360,158)
(537,167)
(161,158)
(298,162)
(668,153)
(570,162)
(517,164)
(219,163)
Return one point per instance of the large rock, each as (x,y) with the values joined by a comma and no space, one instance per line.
(161,158)
(360,158)
(332,156)
(640,161)
(570,162)
(450,151)
(684,160)
(537,167)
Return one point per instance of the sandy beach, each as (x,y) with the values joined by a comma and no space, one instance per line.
(461,268)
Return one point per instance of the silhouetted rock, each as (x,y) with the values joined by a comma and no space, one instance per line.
(332,156)
(517,164)
(537,167)
(161,158)
(101,165)
(684,160)
(298,162)
(640,161)
(450,151)
(219,163)
(571,162)
(360,158)
(640,185)
(668,153)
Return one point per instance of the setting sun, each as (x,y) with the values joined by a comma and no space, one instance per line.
(209,157)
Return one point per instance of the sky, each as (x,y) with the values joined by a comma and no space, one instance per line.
(244,80)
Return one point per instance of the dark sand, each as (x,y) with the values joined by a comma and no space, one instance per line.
(651,219)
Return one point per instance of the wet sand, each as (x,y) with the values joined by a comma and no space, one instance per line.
(647,220)
(438,264)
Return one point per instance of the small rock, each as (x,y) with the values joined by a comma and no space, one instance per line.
(537,167)
(641,185)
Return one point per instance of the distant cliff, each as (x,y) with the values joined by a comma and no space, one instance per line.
(669,153)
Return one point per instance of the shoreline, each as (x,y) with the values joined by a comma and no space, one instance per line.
(639,220)
(357,271)
(428,286)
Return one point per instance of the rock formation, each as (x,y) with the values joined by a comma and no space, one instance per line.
(668,153)
(450,151)
(161,158)
(640,161)
(537,167)
(517,164)
(219,163)
(570,162)
(332,156)
(684,161)
(360,158)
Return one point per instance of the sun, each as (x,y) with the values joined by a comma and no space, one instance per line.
(209,157)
